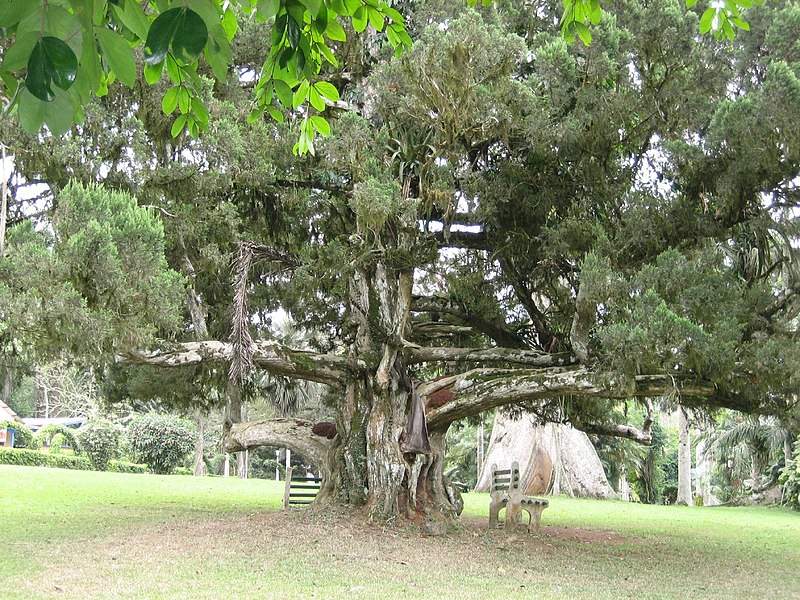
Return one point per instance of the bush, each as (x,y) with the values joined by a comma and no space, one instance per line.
(47,436)
(33,458)
(23,438)
(100,440)
(56,442)
(121,466)
(161,441)
(790,478)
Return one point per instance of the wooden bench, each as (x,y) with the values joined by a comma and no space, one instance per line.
(506,493)
(299,490)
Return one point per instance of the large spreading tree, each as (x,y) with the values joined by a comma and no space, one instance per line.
(498,218)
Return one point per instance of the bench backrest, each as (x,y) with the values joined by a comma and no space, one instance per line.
(505,481)
(300,489)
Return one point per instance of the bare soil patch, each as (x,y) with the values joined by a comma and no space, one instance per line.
(101,566)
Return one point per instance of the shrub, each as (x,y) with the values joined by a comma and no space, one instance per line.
(23,438)
(56,442)
(161,441)
(100,438)
(33,458)
(790,478)
(121,466)
(47,436)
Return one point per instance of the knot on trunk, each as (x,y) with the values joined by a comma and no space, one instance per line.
(326,429)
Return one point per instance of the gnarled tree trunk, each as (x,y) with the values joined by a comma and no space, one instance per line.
(360,456)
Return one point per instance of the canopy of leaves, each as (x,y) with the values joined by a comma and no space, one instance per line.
(62,52)
(507,168)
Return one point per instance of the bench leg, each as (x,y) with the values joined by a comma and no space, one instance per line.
(494,512)
(537,518)
(513,516)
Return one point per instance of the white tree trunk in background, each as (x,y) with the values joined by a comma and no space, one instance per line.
(226,469)
(199,449)
(702,475)
(624,492)
(684,459)
(555,459)
(480,448)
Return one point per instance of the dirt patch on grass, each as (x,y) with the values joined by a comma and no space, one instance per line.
(148,561)
(589,536)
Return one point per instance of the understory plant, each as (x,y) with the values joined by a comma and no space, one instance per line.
(161,441)
(100,439)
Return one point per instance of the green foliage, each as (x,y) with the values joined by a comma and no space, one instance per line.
(676,315)
(790,478)
(161,441)
(33,458)
(461,466)
(56,442)
(100,439)
(23,398)
(81,49)
(23,437)
(649,475)
(47,435)
(98,284)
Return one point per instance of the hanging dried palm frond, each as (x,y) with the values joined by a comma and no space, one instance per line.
(242,344)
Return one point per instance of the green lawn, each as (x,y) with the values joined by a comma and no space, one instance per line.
(76,534)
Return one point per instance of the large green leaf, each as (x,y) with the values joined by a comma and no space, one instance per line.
(16,57)
(13,11)
(181,29)
(51,62)
(133,17)
(58,114)
(118,55)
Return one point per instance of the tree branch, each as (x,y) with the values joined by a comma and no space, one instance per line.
(530,358)
(459,396)
(495,331)
(461,239)
(270,356)
(296,434)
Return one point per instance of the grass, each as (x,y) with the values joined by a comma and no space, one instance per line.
(75,534)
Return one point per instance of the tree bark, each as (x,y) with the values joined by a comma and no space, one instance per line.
(3,203)
(684,459)
(267,355)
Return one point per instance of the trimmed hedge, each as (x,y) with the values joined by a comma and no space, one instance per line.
(32,458)
(99,438)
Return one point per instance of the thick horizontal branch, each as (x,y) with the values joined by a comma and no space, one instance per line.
(530,358)
(314,185)
(664,385)
(270,356)
(430,330)
(459,396)
(297,435)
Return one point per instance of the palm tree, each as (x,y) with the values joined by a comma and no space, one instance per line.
(745,445)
